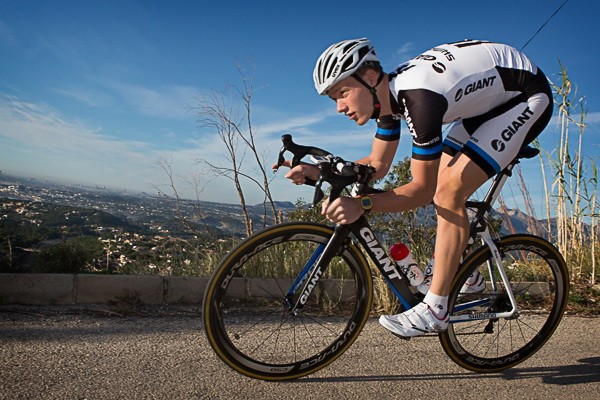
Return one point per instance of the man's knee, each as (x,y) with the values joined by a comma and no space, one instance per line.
(458,182)
(449,191)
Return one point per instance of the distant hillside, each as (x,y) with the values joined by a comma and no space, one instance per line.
(158,212)
(166,213)
(516,221)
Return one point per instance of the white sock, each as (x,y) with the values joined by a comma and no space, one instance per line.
(439,304)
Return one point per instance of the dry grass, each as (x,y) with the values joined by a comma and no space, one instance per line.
(570,188)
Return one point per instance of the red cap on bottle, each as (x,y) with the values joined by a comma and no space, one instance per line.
(399,251)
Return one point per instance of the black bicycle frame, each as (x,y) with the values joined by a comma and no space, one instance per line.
(316,266)
(396,279)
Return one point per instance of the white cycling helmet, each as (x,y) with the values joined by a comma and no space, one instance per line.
(341,60)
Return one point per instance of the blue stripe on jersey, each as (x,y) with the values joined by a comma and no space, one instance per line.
(427,151)
(388,132)
(491,162)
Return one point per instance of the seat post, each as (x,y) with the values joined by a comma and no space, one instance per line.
(499,181)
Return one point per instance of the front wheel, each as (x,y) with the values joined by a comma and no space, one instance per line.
(247,304)
(479,339)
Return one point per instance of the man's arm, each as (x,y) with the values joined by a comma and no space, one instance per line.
(417,193)
(381,157)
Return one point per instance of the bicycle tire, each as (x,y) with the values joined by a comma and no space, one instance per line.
(250,326)
(539,278)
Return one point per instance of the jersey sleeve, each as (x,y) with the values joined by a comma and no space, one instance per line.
(424,112)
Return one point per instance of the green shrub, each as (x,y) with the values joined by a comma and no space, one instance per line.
(69,257)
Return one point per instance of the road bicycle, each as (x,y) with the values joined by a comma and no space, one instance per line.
(290,299)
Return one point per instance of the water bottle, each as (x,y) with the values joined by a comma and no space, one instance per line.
(407,264)
(423,288)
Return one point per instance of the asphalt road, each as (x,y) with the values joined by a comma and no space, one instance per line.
(100,353)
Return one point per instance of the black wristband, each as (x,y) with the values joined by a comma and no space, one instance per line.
(389,121)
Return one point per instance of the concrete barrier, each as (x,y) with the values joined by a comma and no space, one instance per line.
(50,289)
(185,289)
(39,289)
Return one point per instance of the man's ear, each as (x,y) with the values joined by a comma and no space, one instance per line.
(371,76)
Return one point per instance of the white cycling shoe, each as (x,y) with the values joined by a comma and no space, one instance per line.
(417,321)
(474,284)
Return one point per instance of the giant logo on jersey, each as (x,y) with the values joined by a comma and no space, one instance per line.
(498,145)
(512,129)
(474,86)
(408,119)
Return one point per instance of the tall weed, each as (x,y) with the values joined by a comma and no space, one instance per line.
(571,187)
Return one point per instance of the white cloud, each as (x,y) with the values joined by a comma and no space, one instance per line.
(170,102)
(36,139)
(400,55)
(291,124)
(67,149)
(591,121)
(405,50)
(36,125)
(92,98)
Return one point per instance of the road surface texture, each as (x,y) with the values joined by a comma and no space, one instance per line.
(102,352)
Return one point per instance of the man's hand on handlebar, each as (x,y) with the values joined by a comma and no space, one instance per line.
(339,174)
(343,210)
(299,173)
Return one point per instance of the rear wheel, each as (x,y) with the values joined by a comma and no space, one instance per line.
(247,317)
(483,342)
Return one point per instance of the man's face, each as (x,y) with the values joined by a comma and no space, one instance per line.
(353,99)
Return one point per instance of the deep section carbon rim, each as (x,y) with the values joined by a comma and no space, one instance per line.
(248,320)
(486,342)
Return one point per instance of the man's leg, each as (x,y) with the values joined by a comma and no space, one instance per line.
(458,179)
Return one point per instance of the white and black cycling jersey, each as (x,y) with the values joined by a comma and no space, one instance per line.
(458,81)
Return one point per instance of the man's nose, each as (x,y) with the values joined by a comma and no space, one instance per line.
(341,106)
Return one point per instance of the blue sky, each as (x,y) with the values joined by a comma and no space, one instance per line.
(97,92)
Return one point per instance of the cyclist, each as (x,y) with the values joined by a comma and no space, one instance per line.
(498,100)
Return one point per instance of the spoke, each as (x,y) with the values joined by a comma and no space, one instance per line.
(241,333)
(512,338)
(488,336)
(275,330)
(523,324)
(250,304)
(471,328)
(322,325)
(310,336)
(495,340)
(295,348)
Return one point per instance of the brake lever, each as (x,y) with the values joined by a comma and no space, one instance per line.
(319,194)
(299,152)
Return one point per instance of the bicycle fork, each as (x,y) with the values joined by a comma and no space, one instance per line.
(314,269)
